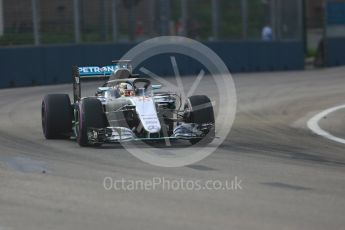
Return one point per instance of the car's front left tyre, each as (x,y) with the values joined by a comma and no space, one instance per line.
(198,110)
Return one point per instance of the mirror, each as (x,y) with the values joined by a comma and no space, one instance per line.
(155,87)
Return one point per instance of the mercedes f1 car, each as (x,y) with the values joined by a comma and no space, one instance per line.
(125,108)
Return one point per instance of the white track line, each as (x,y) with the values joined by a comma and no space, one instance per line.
(313,124)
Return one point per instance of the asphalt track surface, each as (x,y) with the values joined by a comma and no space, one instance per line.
(290,177)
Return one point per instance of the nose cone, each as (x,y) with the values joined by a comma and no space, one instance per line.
(153,128)
(146,111)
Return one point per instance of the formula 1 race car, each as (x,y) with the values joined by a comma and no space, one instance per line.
(125,108)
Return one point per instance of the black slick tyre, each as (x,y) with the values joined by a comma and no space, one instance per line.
(90,115)
(199,110)
(56,114)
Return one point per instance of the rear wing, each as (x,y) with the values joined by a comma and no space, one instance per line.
(94,73)
(88,73)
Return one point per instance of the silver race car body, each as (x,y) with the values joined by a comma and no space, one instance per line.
(129,108)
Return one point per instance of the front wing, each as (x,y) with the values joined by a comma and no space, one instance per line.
(183,131)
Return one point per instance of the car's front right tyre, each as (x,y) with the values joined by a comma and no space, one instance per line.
(56,114)
(90,115)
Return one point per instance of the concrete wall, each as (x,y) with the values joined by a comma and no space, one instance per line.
(52,64)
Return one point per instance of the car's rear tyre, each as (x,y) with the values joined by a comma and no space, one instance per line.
(199,110)
(56,113)
(90,115)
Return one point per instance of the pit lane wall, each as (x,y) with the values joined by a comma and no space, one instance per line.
(28,66)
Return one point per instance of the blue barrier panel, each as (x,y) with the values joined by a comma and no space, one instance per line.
(260,56)
(335,54)
(57,63)
(335,13)
(25,66)
(21,67)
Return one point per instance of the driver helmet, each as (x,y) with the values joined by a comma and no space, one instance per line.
(123,88)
